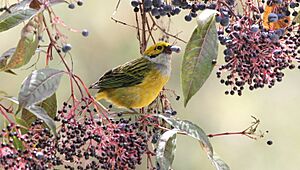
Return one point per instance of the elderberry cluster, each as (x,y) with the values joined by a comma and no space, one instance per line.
(85,139)
(159,8)
(100,143)
(35,148)
(259,45)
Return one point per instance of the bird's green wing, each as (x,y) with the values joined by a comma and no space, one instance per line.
(129,74)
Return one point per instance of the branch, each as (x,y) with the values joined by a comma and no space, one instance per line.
(164,31)
(247,132)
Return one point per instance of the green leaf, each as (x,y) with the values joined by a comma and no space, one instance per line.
(22,11)
(49,105)
(200,51)
(165,150)
(218,163)
(40,113)
(38,86)
(17,14)
(23,124)
(17,143)
(27,45)
(28,116)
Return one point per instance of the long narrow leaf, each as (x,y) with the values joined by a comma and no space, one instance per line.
(200,51)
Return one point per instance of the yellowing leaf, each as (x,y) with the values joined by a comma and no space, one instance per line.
(280,23)
(26,47)
(4,58)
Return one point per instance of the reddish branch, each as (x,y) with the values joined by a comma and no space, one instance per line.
(72,76)
(249,132)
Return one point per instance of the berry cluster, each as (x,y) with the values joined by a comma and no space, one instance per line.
(36,149)
(159,8)
(261,40)
(86,138)
(116,144)
(259,44)
(89,141)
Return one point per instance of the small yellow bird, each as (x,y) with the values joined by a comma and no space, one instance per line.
(137,83)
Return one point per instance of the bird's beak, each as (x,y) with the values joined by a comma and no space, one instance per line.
(172,48)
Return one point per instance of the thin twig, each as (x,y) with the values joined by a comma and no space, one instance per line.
(247,132)
(138,32)
(143,17)
(123,23)
(150,31)
(53,42)
(228,7)
(164,31)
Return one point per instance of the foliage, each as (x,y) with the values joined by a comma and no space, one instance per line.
(41,133)
(200,54)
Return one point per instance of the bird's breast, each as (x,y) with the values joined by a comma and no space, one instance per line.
(142,94)
(155,80)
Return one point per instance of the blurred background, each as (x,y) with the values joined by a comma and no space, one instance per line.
(111,44)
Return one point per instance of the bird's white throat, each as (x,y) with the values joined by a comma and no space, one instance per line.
(163,62)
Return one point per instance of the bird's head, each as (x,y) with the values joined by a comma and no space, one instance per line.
(160,52)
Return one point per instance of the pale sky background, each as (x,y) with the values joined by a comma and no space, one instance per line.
(111,44)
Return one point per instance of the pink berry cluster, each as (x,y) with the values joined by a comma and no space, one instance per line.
(86,138)
(34,149)
(95,142)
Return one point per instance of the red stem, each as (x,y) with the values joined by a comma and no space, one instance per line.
(228,133)
(5,115)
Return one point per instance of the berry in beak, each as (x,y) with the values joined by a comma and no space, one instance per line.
(175,49)
(172,48)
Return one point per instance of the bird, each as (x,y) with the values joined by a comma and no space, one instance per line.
(137,83)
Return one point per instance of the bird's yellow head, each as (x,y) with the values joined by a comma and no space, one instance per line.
(161,47)
(160,52)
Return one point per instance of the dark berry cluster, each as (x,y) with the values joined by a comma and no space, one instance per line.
(260,40)
(113,145)
(159,8)
(259,44)
(103,143)
(35,148)
(86,139)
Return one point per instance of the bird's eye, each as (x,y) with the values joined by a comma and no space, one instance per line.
(159,47)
